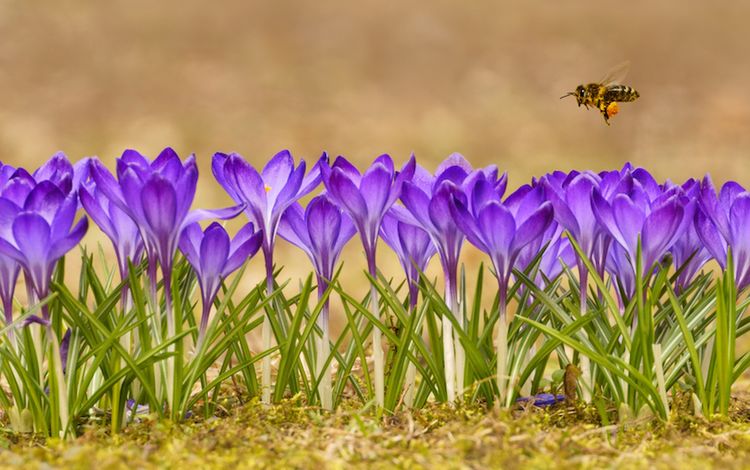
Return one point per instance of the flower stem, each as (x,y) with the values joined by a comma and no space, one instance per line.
(501,345)
(377,346)
(324,351)
(172,384)
(586,379)
(449,351)
(266,331)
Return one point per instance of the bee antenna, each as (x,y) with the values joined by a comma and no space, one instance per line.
(573,93)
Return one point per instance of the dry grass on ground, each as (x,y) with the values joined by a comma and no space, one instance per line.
(294,436)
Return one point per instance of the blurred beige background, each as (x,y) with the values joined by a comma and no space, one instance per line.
(362,78)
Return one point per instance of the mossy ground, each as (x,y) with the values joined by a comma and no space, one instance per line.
(291,435)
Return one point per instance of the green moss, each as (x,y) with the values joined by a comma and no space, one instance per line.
(292,435)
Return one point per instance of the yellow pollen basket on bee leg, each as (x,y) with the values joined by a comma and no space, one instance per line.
(612,109)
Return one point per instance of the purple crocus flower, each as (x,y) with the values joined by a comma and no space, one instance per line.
(366,198)
(502,229)
(116,224)
(9,267)
(15,187)
(321,231)
(39,233)
(414,249)
(157,196)
(412,246)
(427,200)
(723,221)
(658,223)
(573,210)
(214,256)
(266,196)
(689,252)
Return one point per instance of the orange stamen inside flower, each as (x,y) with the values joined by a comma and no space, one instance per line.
(266,187)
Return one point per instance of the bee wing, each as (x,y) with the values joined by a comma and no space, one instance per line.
(616,74)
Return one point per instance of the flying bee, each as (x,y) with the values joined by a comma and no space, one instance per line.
(606,93)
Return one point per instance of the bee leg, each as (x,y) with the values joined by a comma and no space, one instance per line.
(603,108)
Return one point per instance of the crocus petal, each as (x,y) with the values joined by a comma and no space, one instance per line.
(534,226)
(468,225)
(225,213)
(276,172)
(386,161)
(67,243)
(711,237)
(376,185)
(7,249)
(348,196)
(313,177)
(214,251)
(241,252)
(629,219)
(740,230)
(659,229)
(346,231)
(96,212)
(217,168)
(32,236)
(168,164)
(288,193)
(323,224)
(64,217)
(497,224)
(578,198)
(563,214)
(347,168)
(132,190)
(406,174)
(185,187)
(159,202)
(106,183)
(389,234)
(482,193)
(190,242)
(44,200)
(249,185)
(417,202)
(453,160)
(8,213)
(294,229)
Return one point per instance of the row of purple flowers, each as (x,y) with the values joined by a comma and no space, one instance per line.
(145,209)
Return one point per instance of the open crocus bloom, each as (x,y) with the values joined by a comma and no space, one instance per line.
(267,194)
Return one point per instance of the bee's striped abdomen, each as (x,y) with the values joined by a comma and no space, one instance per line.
(620,93)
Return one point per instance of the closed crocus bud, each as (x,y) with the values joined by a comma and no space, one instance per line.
(214,256)
(38,233)
(413,248)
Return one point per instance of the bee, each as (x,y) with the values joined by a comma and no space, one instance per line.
(606,93)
